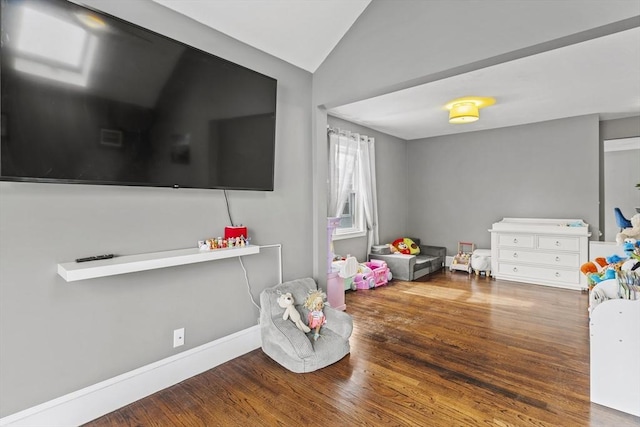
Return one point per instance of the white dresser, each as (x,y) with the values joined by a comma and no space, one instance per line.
(540,251)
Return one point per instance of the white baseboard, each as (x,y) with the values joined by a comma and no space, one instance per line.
(99,399)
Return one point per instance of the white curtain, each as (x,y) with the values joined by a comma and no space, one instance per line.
(343,154)
(367,168)
(352,157)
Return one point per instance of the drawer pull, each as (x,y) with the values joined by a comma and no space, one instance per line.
(515,269)
(557,243)
(557,259)
(515,240)
(557,274)
(515,254)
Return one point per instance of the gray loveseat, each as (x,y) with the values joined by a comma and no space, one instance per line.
(410,267)
(289,346)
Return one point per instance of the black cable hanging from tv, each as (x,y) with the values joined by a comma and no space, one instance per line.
(228,210)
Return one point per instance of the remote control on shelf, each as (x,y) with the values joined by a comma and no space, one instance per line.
(95,258)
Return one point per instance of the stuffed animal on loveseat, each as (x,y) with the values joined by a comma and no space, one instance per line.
(427,259)
(405,246)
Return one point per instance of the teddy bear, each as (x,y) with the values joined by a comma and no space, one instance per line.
(632,232)
(286,301)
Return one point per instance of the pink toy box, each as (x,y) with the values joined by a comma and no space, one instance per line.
(371,274)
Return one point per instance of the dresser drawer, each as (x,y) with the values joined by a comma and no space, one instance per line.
(559,243)
(552,259)
(550,274)
(516,240)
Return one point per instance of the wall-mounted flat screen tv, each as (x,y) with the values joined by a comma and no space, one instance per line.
(89,98)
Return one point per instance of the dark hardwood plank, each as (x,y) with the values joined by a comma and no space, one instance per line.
(447,350)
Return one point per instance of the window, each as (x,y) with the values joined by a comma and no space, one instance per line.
(351,220)
(351,185)
(352,216)
(348,214)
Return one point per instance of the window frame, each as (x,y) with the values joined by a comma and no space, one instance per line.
(358,227)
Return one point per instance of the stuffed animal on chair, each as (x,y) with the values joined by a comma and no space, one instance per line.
(315,304)
(286,301)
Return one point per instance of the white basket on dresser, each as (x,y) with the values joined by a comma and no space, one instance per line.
(541,251)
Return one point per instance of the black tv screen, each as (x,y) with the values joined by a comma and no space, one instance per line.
(89,98)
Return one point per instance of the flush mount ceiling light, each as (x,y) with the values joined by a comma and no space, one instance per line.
(465,110)
(91,21)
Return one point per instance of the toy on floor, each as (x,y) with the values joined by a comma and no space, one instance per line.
(481,261)
(462,261)
(347,268)
(372,274)
(286,301)
(315,303)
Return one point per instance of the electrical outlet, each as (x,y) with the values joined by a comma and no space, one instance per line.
(178,337)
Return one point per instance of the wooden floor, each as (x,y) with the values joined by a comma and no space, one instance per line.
(449,350)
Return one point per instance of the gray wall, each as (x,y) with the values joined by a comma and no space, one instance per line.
(620,128)
(620,172)
(402,43)
(58,337)
(461,184)
(392,182)
(464,183)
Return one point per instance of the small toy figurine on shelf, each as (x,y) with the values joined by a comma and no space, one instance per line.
(206,245)
(316,318)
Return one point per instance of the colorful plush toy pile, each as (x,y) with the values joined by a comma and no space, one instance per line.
(606,268)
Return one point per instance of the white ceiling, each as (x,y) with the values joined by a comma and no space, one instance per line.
(600,76)
(301,32)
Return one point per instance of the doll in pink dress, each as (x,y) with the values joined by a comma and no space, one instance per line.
(315,303)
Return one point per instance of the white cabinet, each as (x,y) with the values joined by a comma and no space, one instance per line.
(540,251)
(615,352)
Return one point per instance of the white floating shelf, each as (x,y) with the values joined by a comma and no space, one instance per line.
(72,271)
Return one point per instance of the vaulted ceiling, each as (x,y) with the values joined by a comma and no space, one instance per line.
(597,76)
